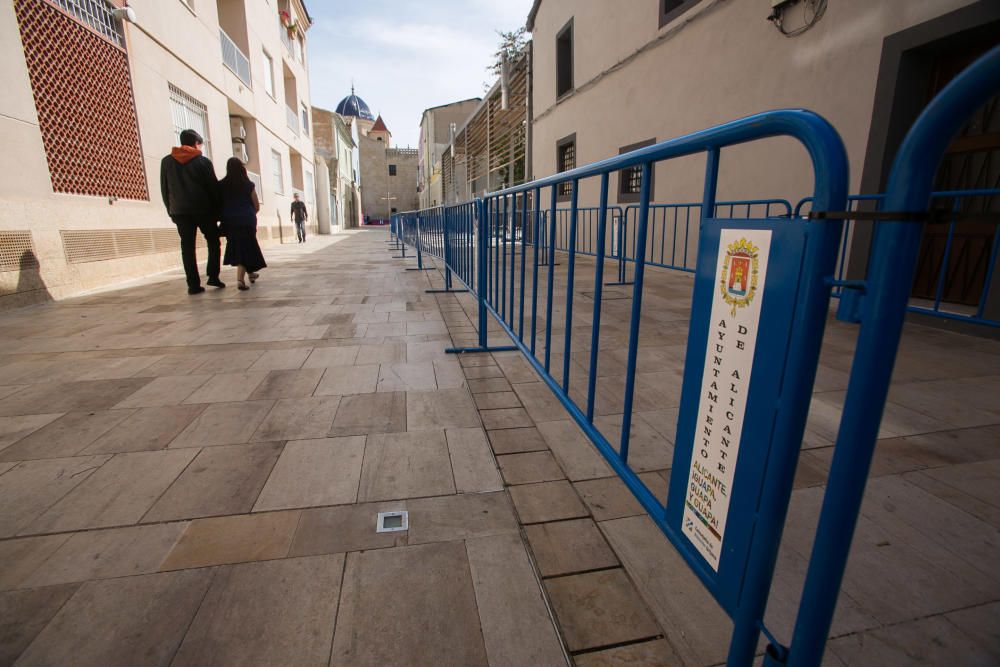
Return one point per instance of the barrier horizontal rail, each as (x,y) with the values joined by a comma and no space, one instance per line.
(953,203)
(759,307)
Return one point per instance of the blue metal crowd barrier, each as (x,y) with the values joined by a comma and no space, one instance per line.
(674,222)
(759,308)
(951,203)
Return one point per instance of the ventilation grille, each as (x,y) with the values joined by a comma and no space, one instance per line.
(96,245)
(17,252)
(86,111)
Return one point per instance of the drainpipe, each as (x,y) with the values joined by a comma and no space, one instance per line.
(529,114)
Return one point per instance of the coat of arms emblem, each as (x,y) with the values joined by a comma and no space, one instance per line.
(738,281)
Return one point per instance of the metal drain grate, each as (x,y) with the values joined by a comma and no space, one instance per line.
(391,522)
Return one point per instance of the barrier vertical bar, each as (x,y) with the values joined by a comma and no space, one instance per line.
(537,204)
(513,258)
(502,250)
(633,334)
(939,290)
(524,223)
(552,261)
(570,269)
(483,225)
(419,243)
(595,329)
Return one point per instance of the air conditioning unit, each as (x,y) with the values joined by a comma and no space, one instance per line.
(237,128)
(240,151)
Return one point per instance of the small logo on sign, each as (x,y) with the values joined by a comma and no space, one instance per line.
(738,281)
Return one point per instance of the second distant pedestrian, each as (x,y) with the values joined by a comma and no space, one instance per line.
(299,216)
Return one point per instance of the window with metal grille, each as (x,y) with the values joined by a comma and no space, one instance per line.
(95,13)
(268,74)
(565,160)
(392,170)
(671,9)
(564,60)
(630,179)
(278,178)
(189,114)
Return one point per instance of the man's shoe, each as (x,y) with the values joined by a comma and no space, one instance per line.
(215,282)
(196,290)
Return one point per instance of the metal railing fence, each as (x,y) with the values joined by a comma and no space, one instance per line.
(760,303)
(234,58)
(955,270)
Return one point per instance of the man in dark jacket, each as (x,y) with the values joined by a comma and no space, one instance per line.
(190,193)
(299,216)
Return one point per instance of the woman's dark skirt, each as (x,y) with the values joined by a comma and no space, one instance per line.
(242,248)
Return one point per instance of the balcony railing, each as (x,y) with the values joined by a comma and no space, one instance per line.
(292,44)
(233,58)
(285,39)
(292,118)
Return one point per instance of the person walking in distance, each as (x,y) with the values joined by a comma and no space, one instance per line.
(239,219)
(299,216)
(191,195)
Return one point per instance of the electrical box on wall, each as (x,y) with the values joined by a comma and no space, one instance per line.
(240,151)
(237,128)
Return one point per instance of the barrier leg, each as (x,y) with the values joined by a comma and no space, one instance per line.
(420,255)
(483,317)
(401,242)
(621,255)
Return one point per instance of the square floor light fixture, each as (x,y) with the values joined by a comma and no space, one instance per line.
(391,522)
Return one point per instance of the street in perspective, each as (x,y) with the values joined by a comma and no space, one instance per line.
(545,332)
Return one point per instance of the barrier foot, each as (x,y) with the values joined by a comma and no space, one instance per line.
(444,291)
(620,283)
(400,257)
(775,655)
(474,350)
(417,268)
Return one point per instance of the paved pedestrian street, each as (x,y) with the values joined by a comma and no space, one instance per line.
(197,480)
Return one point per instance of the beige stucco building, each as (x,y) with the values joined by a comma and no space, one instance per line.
(608,77)
(338,194)
(438,126)
(93,102)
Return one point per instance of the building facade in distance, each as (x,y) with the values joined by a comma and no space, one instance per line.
(437,128)
(93,103)
(388,174)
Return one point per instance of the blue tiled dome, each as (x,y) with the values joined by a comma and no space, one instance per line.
(352,105)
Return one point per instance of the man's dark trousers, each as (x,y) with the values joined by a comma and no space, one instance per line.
(187,228)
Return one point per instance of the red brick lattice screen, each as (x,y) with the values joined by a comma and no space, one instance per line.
(86,111)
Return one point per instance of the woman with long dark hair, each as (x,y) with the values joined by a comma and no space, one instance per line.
(239,220)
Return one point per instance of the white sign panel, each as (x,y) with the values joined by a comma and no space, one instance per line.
(740,273)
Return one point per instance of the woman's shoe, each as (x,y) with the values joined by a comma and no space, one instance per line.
(242,286)
(253,277)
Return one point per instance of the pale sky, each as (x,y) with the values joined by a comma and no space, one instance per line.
(405,55)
